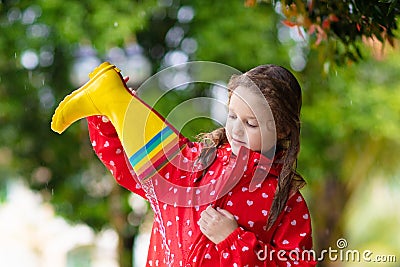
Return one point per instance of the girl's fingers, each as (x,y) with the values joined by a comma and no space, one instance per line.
(226,213)
(203,230)
(126,79)
(206,216)
(210,210)
(132,91)
(202,222)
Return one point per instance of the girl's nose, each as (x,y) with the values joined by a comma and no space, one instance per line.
(238,129)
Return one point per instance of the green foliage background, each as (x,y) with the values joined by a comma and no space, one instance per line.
(351,114)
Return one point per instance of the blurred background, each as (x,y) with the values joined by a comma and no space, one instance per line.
(60,207)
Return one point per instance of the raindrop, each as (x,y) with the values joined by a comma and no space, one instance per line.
(116,24)
(138,65)
(278,8)
(298,62)
(175,57)
(284,34)
(46,97)
(46,57)
(86,60)
(138,204)
(185,14)
(13,15)
(29,59)
(116,55)
(31,14)
(189,45)
(42,175)
(294,51)
(181,79)
(38,31)
(174,36)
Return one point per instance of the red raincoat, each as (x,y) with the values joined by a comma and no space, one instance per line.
(244,185)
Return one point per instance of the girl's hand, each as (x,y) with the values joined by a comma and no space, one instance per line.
(131,90)
(217,224)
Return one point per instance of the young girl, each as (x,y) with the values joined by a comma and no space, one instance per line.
(231,199)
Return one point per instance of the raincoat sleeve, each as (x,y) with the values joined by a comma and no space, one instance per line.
(108,148)
(290,245)
(148,147)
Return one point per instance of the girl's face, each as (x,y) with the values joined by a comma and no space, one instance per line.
(250,122)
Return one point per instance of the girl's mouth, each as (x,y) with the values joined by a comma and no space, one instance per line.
(238,142)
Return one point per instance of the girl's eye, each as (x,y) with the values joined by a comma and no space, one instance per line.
(231,116)
(252,124)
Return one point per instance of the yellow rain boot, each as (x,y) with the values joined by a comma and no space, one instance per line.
(148,140)
(104,94)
